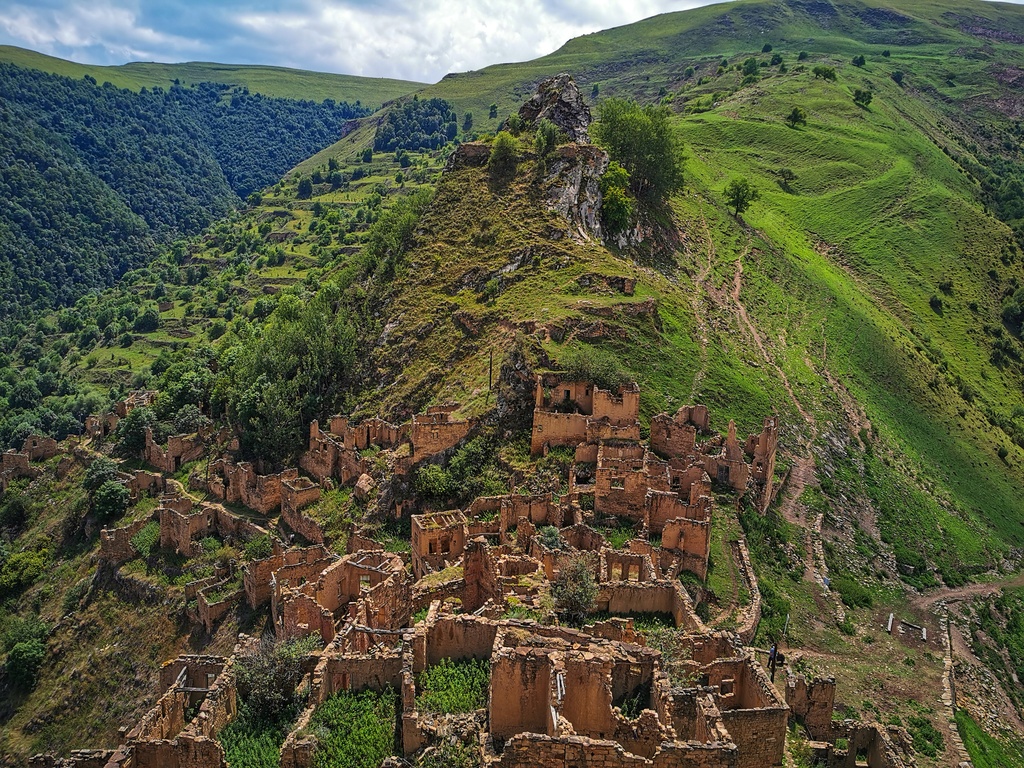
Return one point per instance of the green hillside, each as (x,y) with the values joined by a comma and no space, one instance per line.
(871,297)
(276,82)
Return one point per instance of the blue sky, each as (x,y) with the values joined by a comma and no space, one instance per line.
(388,38)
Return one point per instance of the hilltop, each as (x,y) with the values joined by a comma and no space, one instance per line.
(274,82)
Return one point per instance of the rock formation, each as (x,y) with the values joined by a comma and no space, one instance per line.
(559,100)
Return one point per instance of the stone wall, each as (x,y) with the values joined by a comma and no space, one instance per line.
(39,447)
(435,431)
(116,543)
(812,703)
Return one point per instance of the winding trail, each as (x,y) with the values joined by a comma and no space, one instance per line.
(803,472)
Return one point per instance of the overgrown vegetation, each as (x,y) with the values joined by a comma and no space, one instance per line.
(355,730)
(449,687)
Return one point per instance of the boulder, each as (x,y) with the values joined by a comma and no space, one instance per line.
(559,100)
(365,485)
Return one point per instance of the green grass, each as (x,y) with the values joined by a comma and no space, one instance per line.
(985,751)
(451,686)
(277,82)
(252,743)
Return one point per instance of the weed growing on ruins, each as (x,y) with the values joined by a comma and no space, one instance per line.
(450,753)
(927,739)
(454,686)
(354,730)
(551,538)
(584,362)
(258,547)
(252,742)
(146,539)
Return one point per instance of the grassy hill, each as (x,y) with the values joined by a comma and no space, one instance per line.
(276,82)
(863,298)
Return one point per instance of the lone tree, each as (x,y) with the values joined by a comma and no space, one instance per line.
(642,141)
(825,73)
(786,178)
(574,590)
(739,194)
(862,98)
(859,61)
(796,117)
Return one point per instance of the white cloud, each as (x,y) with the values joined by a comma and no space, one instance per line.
(436,38)
(386,38)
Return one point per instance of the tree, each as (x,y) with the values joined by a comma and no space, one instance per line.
(111,500)
(467,122)
(595,91)
(739,194)
(776,59)
(148,321)
(825,73)
(751,67)
(766,48)
(897,77)
(305,188)
(99,472)
(368,155)
(796,117)
(131,430)
(859,61)
(885,53)
(642,141)
(503,159)
(786,177)
(547,137)
(802,56)
(574,589)
(862,98)
(492,111)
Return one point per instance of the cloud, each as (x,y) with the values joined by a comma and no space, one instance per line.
(383,38)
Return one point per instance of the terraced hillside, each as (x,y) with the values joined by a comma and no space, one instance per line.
(870,297)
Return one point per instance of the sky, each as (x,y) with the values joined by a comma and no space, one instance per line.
(404,39)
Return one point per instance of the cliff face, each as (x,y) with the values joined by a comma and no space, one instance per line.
(559,100)
(573,188)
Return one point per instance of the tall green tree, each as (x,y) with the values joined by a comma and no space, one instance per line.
(642,141)
(739,194)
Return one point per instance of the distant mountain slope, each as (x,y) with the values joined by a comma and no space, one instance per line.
(131,167)
(276,82)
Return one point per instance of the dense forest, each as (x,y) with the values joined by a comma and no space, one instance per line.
(93,177)
(416,124)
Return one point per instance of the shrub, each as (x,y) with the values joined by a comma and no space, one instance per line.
(797,117)
(802,56)
(550,537)
(862,98)
(927,739)
(267,676)
(21,570)
(581,362)
(853,594)
(146,538)
(23,662)
(259,547)
(450,687)
(616,204)
(574,589)
(859,61)
(548,137)
(897,77)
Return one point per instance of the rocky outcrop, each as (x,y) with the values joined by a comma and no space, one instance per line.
(559,100)
(574,187)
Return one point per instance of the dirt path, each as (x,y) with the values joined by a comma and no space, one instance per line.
(803,472)
(697,303)
(954,594)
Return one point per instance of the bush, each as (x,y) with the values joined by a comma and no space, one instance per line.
(131,430)
(859,61)
(258,548)
(574,589)
(146,538)
(548,137)
(862,98)
(450,687)
(616,205)
(23,662)
(21,570)
(550,537)
(111,500)
(503,159)
(927,739)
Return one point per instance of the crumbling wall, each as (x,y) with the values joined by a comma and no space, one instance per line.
(519,698)
(39,447)
(435,431)
(181,449)
(812,703)
(116,543)
(437,538)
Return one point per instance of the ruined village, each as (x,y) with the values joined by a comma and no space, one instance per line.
(557,695)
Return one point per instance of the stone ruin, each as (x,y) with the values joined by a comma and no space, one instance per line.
(557,696)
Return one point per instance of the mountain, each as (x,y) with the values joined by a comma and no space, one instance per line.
(870,298)
(274,82)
